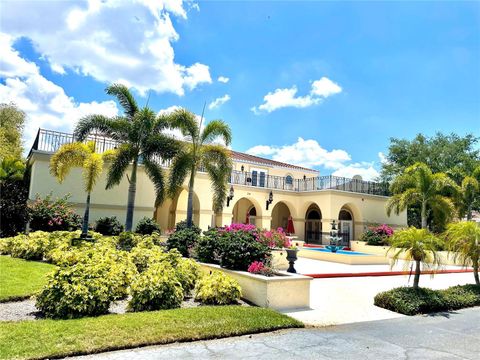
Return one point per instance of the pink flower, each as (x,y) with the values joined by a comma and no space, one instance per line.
(256,267)
(50,223)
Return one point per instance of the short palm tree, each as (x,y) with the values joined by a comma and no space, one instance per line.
(199,151)
(419,186)
(81,155)
(141,138)
(463,240)
(469,193)
(417,245)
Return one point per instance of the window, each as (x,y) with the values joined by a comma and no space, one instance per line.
(289,180)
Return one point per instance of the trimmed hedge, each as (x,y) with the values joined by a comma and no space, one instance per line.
(410,301)
(217,288)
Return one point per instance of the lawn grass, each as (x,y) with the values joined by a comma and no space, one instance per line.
(20,279)
(59,338)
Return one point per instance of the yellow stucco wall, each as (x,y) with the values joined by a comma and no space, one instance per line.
(365,208)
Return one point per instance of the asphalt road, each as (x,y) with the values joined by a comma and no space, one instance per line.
(454,335)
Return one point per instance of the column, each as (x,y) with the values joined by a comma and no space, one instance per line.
(263,222)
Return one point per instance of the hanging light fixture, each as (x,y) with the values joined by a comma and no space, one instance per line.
(270,199)
(230,195)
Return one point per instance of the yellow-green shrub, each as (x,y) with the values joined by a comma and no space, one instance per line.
(217,288)
(188,272)
(156,288)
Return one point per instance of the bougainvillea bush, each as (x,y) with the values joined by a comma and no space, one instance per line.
(50,214)
(274,239)
(377,235)
(260,268)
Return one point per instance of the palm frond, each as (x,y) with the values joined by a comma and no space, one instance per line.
(124,97)
(181,166)
(185,121)
(155,173)
(92,168)
(214,129)
(442,206)
(116,128)
(125,154)
(162,145)
(463,241)
(67,157)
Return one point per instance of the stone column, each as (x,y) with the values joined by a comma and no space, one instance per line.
(299,225)
(263,222)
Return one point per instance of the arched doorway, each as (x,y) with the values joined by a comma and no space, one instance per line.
(244,212)
(280,214)
(345,222)
(313,225)
(172,211)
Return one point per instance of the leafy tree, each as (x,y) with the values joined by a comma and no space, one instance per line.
(12,121)
(81,155)
(463,239)
(197,152)
(142,141)
(417,245)
(469,194)
(14,196)
(419,186)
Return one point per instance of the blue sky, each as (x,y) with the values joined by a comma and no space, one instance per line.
(319,84)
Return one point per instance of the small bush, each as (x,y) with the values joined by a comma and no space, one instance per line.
(207,248)
(147,226)
(188,272)
(13,207)
(408,301)
(239,249)
(127,240)
(109,226)
(155,289)
(183,240)
(30,247)
(217,289)
(53,215)
(182,225)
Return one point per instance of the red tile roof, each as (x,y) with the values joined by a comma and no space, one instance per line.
(259,160)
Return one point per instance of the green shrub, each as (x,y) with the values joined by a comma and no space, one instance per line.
(13,206)
(239,249)
(108,226)
(461,296)
(188,272)
(156,288)
(127,240)
(207,248)
(88,287)
(182,225)
(147,226)
(183,240)
(143,257)
(53,215)
(30,247)
(217,288)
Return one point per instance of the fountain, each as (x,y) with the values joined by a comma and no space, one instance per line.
(334,239)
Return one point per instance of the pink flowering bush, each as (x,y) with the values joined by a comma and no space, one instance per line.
(274,238)
(377,235)
(241,227)
(53,215)
(258,267)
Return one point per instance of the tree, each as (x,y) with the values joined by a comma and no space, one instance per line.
(12,121)
(197,152)
(81,155)
(14,195)
(142,141)
(419,186)
(463,239)
(469,194)
(417,245)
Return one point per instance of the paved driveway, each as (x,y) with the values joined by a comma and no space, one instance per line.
(444,336)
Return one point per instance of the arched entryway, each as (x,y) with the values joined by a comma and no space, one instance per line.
(313,225)
(346,225)
(280,214)
(244,212)
(172,211)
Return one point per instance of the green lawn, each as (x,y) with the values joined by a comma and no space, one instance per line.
(20,279)
(58,338)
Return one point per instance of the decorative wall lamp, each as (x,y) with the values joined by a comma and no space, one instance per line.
(230,195)
(242,168)
(270,199)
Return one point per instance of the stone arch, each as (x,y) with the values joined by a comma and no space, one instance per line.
(244,206)
(174,210)
(348,215)
(280,213)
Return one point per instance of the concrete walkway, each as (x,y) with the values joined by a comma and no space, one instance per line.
(349,300)
(443,336)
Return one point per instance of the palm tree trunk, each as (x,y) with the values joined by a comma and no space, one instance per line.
(469,212)
(190,198)
(416,279)
(132,189)
(475,274)
(84,234)
(424,215)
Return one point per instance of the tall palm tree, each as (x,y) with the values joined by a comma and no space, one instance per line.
(142,140)
(418,245)
(419,186)
(199,151)
(81,155)
(469,193)
(463,240)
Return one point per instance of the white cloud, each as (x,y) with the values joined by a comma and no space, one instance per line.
(307,153)
(114,41)
(223,79)
(365,170)
(325,87)
(383,158)
(282,98)
(219,102)
(45,103)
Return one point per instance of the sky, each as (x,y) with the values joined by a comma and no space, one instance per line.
(318,84)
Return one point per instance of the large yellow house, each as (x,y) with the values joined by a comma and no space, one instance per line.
(312,201)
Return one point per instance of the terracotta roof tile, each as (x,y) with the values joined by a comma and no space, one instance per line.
(259,160)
